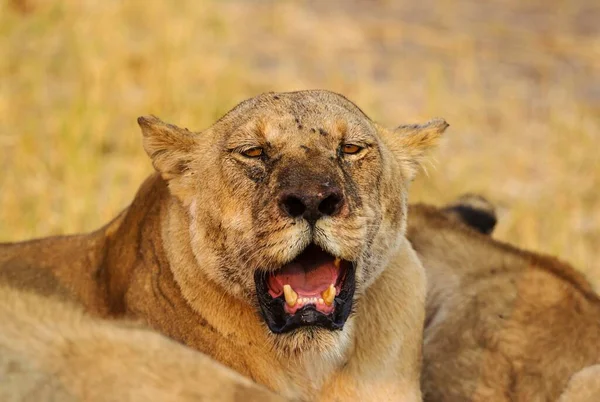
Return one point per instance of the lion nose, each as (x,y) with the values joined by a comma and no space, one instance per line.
(311,205)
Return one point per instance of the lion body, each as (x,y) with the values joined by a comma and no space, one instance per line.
(502,324)
(172,259)
(51,351)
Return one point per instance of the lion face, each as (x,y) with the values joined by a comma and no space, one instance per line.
(296,201)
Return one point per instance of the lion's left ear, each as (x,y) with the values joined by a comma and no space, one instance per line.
(411,143)
(169,146)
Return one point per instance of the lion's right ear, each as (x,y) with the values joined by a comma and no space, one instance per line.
(413,141)
(169,146)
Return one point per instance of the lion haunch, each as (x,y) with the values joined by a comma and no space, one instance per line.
(254,242)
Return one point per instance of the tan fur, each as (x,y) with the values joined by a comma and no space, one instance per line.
(51,351)
(502,324)
(182,257)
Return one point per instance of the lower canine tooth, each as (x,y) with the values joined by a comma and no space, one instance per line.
(291,297)
(328,295)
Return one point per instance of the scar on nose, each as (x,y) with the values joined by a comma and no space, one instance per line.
(323,132)
(305,148)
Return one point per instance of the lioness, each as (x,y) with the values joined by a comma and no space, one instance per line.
(274,242)
(503,324)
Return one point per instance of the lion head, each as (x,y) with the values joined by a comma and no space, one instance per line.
(295,202)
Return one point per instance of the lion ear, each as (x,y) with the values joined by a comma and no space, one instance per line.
(413,141)
(169,146)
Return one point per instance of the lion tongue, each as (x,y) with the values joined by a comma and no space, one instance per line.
(305,282)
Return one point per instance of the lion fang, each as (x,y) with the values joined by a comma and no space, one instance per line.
(291,297)
(328,295)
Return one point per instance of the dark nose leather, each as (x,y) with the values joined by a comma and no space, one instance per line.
(311,204)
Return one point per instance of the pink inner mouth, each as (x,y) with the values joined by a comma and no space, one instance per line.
(309,275)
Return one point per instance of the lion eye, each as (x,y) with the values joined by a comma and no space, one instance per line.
(351,149)
(253,152)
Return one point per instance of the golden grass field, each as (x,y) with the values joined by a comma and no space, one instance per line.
(519,82)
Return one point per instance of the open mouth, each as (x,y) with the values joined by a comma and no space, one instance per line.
(315,289)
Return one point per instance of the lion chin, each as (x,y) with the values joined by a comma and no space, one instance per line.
(272,242)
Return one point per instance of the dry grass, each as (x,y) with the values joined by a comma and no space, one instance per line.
(519,84)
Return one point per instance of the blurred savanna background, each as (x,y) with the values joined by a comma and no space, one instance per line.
(519,82)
